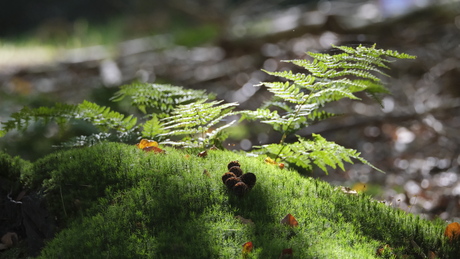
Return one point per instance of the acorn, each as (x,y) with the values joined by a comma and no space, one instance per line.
(240,189)
(227,175)
(249,179)
(232,181)
(236,170)
(232,164)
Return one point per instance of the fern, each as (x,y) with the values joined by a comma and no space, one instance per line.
(318,151)
(197,122)
(298,100)
(101,117)
(178,116)
(158,98)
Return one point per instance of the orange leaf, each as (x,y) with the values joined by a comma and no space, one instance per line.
(290,220)
(452,231)
(153,149)
(247,247)
(281,165)
(146,143)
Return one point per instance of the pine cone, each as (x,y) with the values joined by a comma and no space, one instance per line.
(232,164)
(249,179)
(236,170)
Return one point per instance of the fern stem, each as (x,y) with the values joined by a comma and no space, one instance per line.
(289,125)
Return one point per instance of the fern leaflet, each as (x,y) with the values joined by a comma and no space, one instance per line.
(158,98)
(198,118)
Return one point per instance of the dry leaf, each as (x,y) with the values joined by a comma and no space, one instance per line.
(359,187)
(269,161)
(203,154)
(452,231)
(153,149)
(146,143)
(244,221)
(247,248)
(290,220)
(149,146)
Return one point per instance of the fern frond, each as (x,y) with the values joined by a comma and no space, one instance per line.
(329,78)
(160,98)
(286,91)
(101,117)
(298,78)
(320,152)
(152,128)
(198,118)
(20,120)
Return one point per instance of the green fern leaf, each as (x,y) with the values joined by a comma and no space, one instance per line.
(198,118)
(318,151)
(158,98)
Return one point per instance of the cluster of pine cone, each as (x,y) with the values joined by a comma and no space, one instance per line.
(236,181)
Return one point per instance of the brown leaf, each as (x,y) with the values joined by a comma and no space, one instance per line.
(452,231)
(203,154)
(153,149)
(289,220)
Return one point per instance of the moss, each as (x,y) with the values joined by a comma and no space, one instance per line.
(145,205)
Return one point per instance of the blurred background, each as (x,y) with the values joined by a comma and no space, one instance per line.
(73,50)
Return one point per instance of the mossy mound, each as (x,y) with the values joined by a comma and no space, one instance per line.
(117,201)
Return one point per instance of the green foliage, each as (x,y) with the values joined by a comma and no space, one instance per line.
(199,118)
(320,152)
(186,117)
(157,98)
(101,117)
(298,100)
(146,205)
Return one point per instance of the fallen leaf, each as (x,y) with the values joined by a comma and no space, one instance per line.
(244,221)
(452,231)
(281,165)
(153,149)
(146,143)
(359,187)
(269,161)
(286,253)
(203,154)
(290,220)
(247,248)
